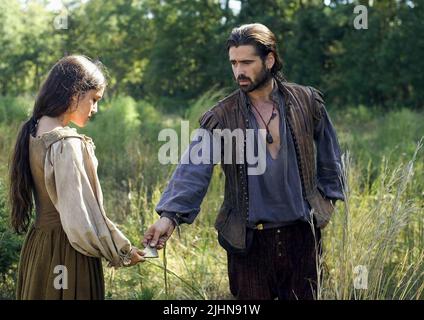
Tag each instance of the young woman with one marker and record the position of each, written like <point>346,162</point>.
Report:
<point>54,169</point>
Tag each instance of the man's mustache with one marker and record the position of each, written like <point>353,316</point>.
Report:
<point>239,78</point>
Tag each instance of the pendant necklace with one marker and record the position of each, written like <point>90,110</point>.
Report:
<point>269,138</point>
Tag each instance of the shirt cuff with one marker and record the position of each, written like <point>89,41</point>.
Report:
<point>172,216</point>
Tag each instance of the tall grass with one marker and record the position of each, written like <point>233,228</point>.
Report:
<point>12,112</point>
<point>370,238</point>
<point>380,229</point>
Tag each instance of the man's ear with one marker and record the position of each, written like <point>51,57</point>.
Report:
<point>270,61</point>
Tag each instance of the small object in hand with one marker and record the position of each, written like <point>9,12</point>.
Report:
<point>150,252</point>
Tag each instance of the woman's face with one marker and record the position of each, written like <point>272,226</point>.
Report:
<point>83,108</point>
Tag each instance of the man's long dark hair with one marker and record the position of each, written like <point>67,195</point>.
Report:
<point>70,77</point>
<point>262,39</point>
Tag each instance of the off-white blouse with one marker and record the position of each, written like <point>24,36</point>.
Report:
<point>72,184</point>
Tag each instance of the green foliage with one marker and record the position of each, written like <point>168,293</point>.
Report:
<point>14,110</point>
<point>114,130</point>
<point>203,104</point>
<point>10,246</point>
<point>375,66</point>
<point>29,45</point>
<point>192,62</point>
<point>371,133</point>
<point>171,52</point>
<point>125,133</point>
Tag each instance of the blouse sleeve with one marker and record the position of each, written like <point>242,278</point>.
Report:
<point>71,179</point>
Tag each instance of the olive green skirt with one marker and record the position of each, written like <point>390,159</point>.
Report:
<point>50,268</point>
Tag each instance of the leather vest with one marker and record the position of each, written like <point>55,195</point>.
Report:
<point>303,108</point>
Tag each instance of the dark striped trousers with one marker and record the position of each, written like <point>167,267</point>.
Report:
<point>281,263</point>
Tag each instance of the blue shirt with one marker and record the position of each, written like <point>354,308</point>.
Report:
<point>276,195</point>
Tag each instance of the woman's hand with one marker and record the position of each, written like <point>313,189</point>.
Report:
<point>136,256</point>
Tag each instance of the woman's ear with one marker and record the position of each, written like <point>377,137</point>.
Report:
<point>74,104</point>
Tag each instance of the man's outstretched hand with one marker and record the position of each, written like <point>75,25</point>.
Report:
<point>159,233</point>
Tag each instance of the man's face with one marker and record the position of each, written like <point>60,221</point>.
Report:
<point>250,72</point>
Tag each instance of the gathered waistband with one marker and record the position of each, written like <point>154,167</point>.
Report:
<point>47,220</point>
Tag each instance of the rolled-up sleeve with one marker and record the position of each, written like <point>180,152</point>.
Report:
<point>72,183</point>
<point>329,166</point>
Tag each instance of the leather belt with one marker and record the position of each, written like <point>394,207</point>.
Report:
<point>269,225</point>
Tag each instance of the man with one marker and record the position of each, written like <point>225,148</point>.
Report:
<point>269,223</point>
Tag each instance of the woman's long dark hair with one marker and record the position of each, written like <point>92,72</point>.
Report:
<point>70,77</point>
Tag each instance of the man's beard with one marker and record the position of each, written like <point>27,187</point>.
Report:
<point>263,79</point>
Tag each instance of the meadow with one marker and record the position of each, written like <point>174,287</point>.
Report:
<point>376,236</point>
